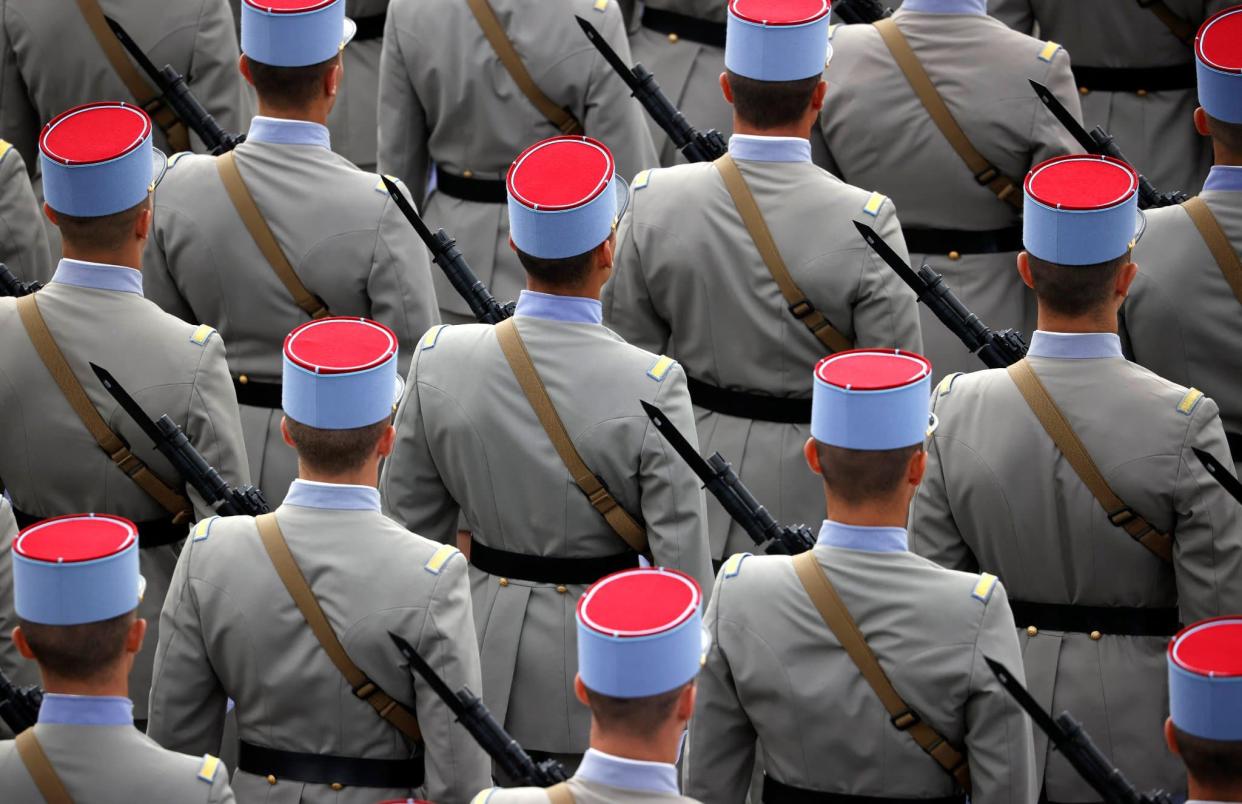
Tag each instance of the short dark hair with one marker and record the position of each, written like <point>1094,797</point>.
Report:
<point>289,87</point>
<point>1074,290</point>
<point>106,232</point>
<point>79,652</point>
<point>636,717</point>
<point>1212,763</point>
<point>861,476</point>
<point>771,104</point>
<point>1227,134</point>
<point>567,272</point>
<point>335,452</point>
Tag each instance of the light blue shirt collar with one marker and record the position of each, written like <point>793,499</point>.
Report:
<point>979,7</point>
<point>279,131</point>
<point>858,537</point>
<point>575,309</point>
<point>338,496</point>
<point>86,710</point>
<point>98,275</point>
<point>1224,178</point>
<point>1074,345</point>
<point>769,149</point>
<point>628,774</point>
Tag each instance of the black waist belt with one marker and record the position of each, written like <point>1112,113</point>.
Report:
<point>371,27</point>
<point>328,769</point>
<point>745,405</point>
<point>1118,620</point>
<point>692,28</point>
<point>257,394</point>
<point>775,792</point>
<point>548,569</point>
<point>482,191</point>
<point>1136,79</point>
<point>1235,445</point>
<point>948,241</point>
<point>152,533</point>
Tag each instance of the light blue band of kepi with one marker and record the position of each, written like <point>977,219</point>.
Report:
<point>294,38</point>
<point>1220,86</point>
<point>886,418</point>
<point>76,592</point>
<point>1201,703</point>
<point>1080,236</point>
<point>776,52</point>
<point>339,400</point>
<point>93,189</point>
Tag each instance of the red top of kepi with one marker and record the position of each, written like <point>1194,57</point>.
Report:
<point>1210,648</point>
<point>639,602</point>
<point>873,369</point>
<point>1082,182</point>
<point>289,6</point>
<point>340,345</point>
<point>560,173</point>
<point>1219,43</point>
<point>94,132</point>
<point>75,538</point>
<point>780,12</point>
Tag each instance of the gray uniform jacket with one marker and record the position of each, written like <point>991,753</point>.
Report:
<point>347,241</point>
<point>469,442</point>
<point>690,282</point>
<point>446,98</point>
<point>50,463</point>
<point>20,671</point>
<point>981,69</point>
<point>233,632</point>
<point>998,496</point>
<point>23,240</point>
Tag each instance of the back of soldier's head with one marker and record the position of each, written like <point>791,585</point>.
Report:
<point>1205,706</point>
<point>1218,66</point>
<point>291,47</point>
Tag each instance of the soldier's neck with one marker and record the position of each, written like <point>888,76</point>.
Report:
<point>114,682</point>
<point>798,130</point>
<point>128,256</point>
<point>587,290</point>
<point>1099,321</point>
<point>878,515</point>
<point>1199,791</point>
<point>1225,157</point>
<point>660,746</point>
<point>316,112</point>
<point>365,475</point>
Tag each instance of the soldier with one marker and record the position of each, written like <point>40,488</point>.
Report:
<point>691,278</point>
<point>240,245</point>
<point>950,219</point>
<point>1181,318</point>
<point>66,446</point>
<point>318,719</point>
<point>1205,705</point>
<point>23,240</point>
<point>640,644</point>
<point>19,672</point>
<point>76,588</point>
<point>553,500</point>
<point>1063,476</point>
<point>447,98</point>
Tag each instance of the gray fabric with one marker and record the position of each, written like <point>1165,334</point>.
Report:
<point>584,792</point>
<point>355,116</point>
<point>23,239</point>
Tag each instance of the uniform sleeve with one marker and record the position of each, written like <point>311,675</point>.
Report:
<point>216,81</point>
<point>214,422</point>
<point>998,734</point>
<point>612,116</point>
<point>403,132</point>
<point>1048,137</point>
<point>628,305</point>
<point>23,240</point>
<point>885,310</point>
<point>19,122</point>
<point>933,532</point>
<point>158,283</point>
<point>400,287</point>
<point>1017,14</point>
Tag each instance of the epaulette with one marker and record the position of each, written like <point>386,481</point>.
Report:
<point>600,5</point>
<point>641,180</point>
<point>439,558</point>
<point>984,587</point>
<point>175,158</point>
<point>1190,401</point>
<point>5,147</point>
<point>946,384</point>
<point>379,185</point>
<point>207,771</point>
<point>659,369</point>
<point>484,796</point>
<point>433,335</point>
<point>872,207</point>
<point>203,529</point>
<point>202,334</point>
<point>733,565</point>
<point>1050,50</point>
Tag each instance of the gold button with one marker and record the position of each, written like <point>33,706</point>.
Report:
<point>466,174</point>
<point>673,38</point>
<point>562,589</point>
<point>955,256</point>
<point>504,581</point>
<point>1031,630</point>
<point>243,379</point>
<point>271,779</point>
<point>1142,93</point>
<point>1083,90</point>
<point>1096,635</point>
<point>337,786</point>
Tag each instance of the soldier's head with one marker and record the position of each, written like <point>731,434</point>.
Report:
<point>76,589</point>
<point>565,199</point>
<point>1218,65</point>
<point>291,54</point>
<point>339,390</point>
<point>1205,707</point>
<point>1081,220</point>
<point>775,52</point>
<point>640,646</point>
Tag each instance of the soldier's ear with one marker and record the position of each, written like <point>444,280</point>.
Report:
<point>580,690</point>
<point>386,442</point>
<point>1024,270</point>
<point>142,224</point>
<point>725,88</point>
<point>23,647</point>
<point>917,467</point>
<point>284,432</point>
<point>1125,278</point>
<point>1201,122</point>
<point>332,79</point>
<point>1170,737</point>
<point>243,67</point>
<point>135,636</point>
<point>685,701</point>
<point>817,97</point>
<point>51,214</point>
<point>812,456</point>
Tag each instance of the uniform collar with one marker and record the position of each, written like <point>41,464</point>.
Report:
<point>858,537</point>
<point>98,275</point>
<point>575,309</point>
<point>769,149</point>
<point>279,131</point>
<point>1074,345</point>
<point>1224,177</point>
<point>338,496</point>
<point>86,710</point>
<point>628,774</point>
<point>979,7</point>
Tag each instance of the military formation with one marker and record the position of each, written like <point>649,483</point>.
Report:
<point>865,427</point>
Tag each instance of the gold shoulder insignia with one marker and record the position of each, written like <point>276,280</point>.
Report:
<point>5,146</point>
<point>872,207</point>
<point>659,369</point>
<point>601,5</point>
<point>733,564</point>
<point>946,384</point>
<point>641,180</point>
<point>484,796</point>
<point>207,771</point>
<point>1050,50</point>
<point>433,335</point>
<point>203,529</point>
<point>379,185</point>
<point>983,588</point>
<point>439,558</point>
<point>1189,402</point>
<point>202,335</point>
<point>175,158</point>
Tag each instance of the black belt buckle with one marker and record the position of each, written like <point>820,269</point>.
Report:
<point>905,720</point>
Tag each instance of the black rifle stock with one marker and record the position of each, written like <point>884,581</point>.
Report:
<point>859,12</point>
<point>10,285</point>
<point>19,706</point>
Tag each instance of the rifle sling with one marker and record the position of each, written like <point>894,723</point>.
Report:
<point>248,211</point>
<point>1217,242</point>
<point>111,443</point>
<point>799,305</point>
<point>1180,28</point>
<point>1067,441</point>
<point>295,583</point>
<point>837,617</point>
<point>560,794</point>
<point>147,96</point>
<point>587,481</point>
<point>41,769</point>
<point>984,171</point>
<point>500,42</point>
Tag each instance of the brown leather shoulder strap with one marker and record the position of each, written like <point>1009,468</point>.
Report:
<point>1183,30</point>
<point>537,395</point>
<point>1067,441</point>
<point>799,305</point>
<point>984,171</point>
<point>1217,242</point>
<point>560,794</point>
<point>40,769</point>
<point>500,42</point>
<point>248,211</point>
<point>295,583</point>
<point>116,449</point>
<point>147,96</point>
<point>837,617</point>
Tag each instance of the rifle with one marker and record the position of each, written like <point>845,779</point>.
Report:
<point>1072,740</point>
<point>473,715</point>
<point>695,145</point>
<point>1101,143</point>
<point>444,253</point>
<point>855,12</point>
<point>1222,475</point>
<point>10,285</point>
<point>189,462</point>
<point>995,349</point>
<point>180,99</point>
<point>719,478</point>
<point>19,706</point>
